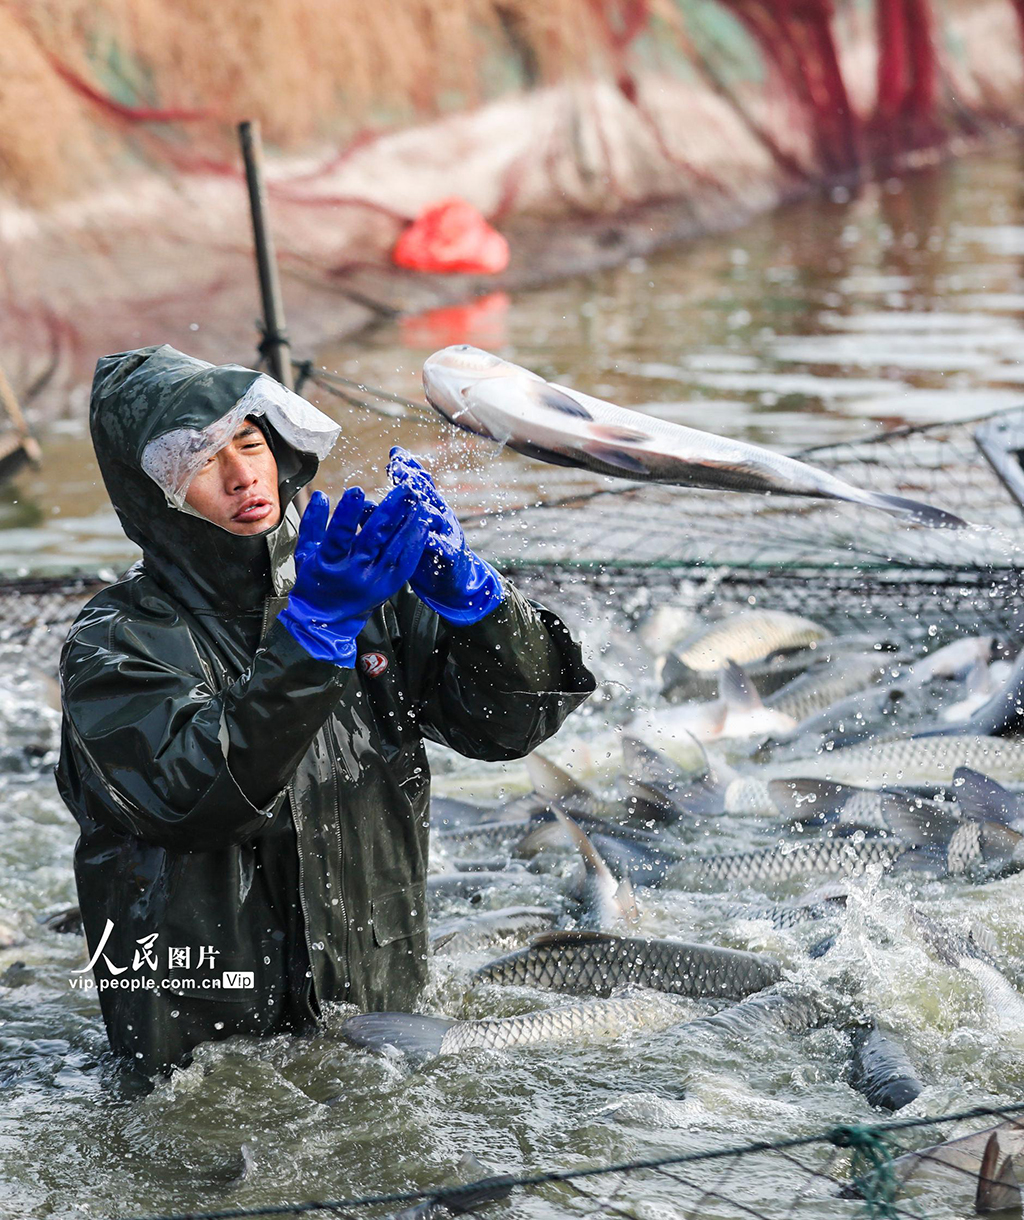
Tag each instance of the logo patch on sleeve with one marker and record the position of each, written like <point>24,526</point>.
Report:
<point>373,663</point>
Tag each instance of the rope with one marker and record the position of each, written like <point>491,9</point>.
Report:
<point>875,1181</point>
<point>871,1168</point>
<point>342,387</point>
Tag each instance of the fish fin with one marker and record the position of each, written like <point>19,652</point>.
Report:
<point>553,782</point>
<point>558,400</point>
<point>823,946</point>
<point>625,900</point>
<point>717,768</point>
<point>703,795</point>
<point>544,834</point>
<point>736,690</point>
<point>577,936</point>
<point>981,797</point>
<point>998,1186</point>
<point>999,843</point>
<point>981,943</point>
<point>506,395</point>
<point>438,942</point>
<point>930,860</point>
<point>407,1032</point>
<point>651,766</point>
<point>592,860</point>
<point>917,822</point>
<point>617,434</point>
<point>919,512</point>
<point>601,451</point>
<point>463,1200</point>
<point>675,676</point>
<point>808,800</point>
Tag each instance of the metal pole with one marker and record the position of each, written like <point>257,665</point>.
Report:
<point>275,344</point>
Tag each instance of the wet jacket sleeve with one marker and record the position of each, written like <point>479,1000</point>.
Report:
<point>497,689</point>
<point>181,765</point>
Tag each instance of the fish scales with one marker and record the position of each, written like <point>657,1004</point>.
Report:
<point>818,689</point>
<point>825,857</point>
<point>783,916</point>
<point>600,1018</point>
<point>764,1013</point>
<point>601,965</point>
<point>911,760</point>
<point>751,796</point>
<point>749,636</point>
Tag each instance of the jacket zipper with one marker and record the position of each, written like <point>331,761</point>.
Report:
<point>294,804</point>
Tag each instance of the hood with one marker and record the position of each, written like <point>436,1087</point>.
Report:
<point>157,400</point>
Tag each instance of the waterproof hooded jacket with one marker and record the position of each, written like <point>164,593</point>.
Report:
<point>254,821</point>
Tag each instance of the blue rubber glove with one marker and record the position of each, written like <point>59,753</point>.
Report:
<point>345,572</point>
<point>460,586</point>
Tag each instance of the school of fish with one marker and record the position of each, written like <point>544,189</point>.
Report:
<point>848,771</point>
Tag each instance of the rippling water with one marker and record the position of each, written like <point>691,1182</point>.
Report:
<point>829,320</point>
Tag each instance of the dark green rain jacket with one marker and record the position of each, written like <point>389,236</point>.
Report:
<point>263,810</point>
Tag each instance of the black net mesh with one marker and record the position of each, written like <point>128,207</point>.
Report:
<point>951,1165</point>
<point>832,561</point>
<point>636,545</point>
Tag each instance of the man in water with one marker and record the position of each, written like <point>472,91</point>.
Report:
<point>242,742</point>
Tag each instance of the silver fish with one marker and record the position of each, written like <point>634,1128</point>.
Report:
<point>749,635</point>
<point>786,915</point>
<point>819,688</point>
<point>955,660</point>
<point>597,964</point>
<point>483,394</point>
<point>484,834</point>
<point>911,760</point>
<point>738,711</point>
<point>554,785</point>
<point>482,927</point>
<point>576,1022</point>
<point>768,1012</point>
<point>828,857</point>
<point>963,952</point>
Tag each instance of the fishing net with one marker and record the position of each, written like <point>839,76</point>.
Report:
<point>841,564</point>
<point>889,1169</point>
<point>635,546</point>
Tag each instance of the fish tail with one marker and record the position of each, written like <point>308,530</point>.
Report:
<point>407,1032</point>
<point>916,510</point>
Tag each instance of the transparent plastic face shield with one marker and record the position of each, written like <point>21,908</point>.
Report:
<point>173,459</point>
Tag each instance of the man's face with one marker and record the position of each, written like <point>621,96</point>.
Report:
<point>237,488</point>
